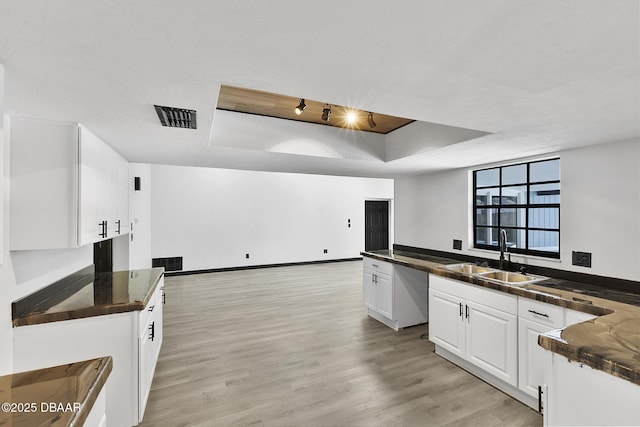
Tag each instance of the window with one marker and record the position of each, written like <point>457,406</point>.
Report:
<point>524,199</point>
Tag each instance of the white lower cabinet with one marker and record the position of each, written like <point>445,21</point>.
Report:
<point>535,318</point>
<point>446,325</point>
<point>149,343</point>
<point>132,339</point>
<point>474,325</point>
<point>577,395</point>
<point>393,294</point>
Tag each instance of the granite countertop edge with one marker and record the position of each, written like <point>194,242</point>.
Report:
<point>595,353</point>
<point>88,379</point>
<point>103,370</point>
<point>35,318</point>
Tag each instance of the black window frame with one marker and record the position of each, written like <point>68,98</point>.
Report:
<point>527,206</point>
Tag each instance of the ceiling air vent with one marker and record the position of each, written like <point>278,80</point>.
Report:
<point>176,117</point>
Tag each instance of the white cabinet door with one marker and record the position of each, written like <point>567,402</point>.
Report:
<point>91,222</point>
<point>104,197</point>
<point>384,295</point>
<point>446,326</point>
<point>149,343</point>
<point>146,368</point>
<point>369,290</point>
<point>492,341</point>
<point>531,356</point>
<point>43,157</point>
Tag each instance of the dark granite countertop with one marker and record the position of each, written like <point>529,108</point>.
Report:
<point>610,342</point>
<point>75,386</point>
<point>85,294</point>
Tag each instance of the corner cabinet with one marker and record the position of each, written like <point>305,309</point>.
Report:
<point>68,187</point>
<point>473,326</point>
<point>393,294</point>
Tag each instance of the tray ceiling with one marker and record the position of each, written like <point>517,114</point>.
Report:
<point>268,104</point>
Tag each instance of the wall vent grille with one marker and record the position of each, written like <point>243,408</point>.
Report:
<point>176,117</point>
<point>169,264</point>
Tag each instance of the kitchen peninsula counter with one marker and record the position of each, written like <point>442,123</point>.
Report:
<point>60,395</point>
<point>86,294</point>
<point>609,342</point>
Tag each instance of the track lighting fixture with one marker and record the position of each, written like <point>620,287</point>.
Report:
<point>372,124</point>
<point>301,106</point>
<point>326,112</point>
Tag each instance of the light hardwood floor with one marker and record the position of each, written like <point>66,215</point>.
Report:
<point>293,346</point>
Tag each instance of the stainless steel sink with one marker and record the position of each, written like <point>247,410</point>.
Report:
<point>504,277</point>
<point>469,268</point>
<point>511,277</point>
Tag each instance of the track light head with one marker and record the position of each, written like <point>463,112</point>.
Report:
<point>300,107</point>
<point>372,123</point>
<point>326,112</point>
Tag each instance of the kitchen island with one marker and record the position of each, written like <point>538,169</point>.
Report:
<point>609,342</point>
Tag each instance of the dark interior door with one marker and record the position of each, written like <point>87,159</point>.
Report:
<point>376,225</point>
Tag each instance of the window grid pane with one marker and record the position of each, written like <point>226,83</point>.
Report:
<point>525,202</point>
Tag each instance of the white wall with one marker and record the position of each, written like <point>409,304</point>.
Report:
<point>213,217</point>
<point>600,210</point>
<point>6,274</point>
<point>140,215</point>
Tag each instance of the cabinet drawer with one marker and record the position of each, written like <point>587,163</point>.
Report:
<point>378,266</point>
<point>491,298</point>
<point>541,312</point>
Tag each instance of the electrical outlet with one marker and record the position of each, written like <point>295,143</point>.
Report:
<point>246,256</point>
<point>326,251</point>
<point>457,244</point>
<point>582,259</point>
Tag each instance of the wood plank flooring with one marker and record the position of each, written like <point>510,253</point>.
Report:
<point>293,346</point>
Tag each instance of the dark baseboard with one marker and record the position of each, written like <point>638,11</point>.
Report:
<point>253,267</point>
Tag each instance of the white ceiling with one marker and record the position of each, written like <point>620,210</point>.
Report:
<point>538,76</point>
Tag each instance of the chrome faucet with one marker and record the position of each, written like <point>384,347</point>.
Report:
<point>503,246</point>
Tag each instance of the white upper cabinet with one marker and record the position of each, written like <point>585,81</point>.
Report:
<point>104,196</point>
<point>64,186</point>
